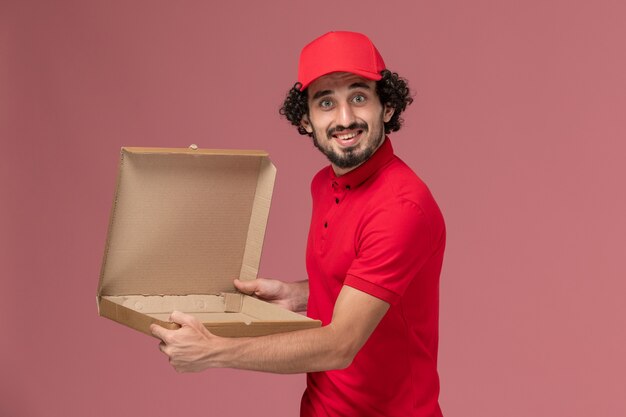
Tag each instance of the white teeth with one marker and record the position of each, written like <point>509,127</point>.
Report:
<point>347,137</point>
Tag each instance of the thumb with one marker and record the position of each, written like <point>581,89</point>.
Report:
<point>246,287</point>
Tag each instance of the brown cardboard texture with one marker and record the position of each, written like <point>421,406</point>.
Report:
<point>184,224</point>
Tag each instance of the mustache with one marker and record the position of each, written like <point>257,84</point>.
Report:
<point>340,128</point>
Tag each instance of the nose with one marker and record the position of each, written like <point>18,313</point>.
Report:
<point>345,116</point>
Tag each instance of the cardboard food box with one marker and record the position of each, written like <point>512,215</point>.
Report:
<point>184,224</point>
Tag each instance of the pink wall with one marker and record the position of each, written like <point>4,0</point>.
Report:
<point>518,127</point>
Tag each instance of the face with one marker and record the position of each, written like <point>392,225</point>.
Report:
<point>346,119</point>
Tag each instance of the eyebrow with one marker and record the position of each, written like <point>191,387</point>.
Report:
<point>352,86</point>
<point>322,93</point>
<point>359,85</point>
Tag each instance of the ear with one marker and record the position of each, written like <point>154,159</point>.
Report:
<point>388,112</point>
<point>306,124</point>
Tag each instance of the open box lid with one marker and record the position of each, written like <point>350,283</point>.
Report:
<point>186,221</point>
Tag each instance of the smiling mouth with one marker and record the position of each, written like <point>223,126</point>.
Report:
<point>348,138</point>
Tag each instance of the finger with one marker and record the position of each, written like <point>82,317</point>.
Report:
<point>246,287</point>
<point>183,319</point>
<point>158,331</point>
<point>163,348</point>
<point>180,368</point>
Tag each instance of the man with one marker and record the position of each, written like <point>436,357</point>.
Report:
<point>374,254</point>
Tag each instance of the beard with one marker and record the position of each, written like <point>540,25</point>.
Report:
<point>350,157</point>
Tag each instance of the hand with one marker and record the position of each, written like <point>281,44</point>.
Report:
<point>290,295</point>
<point>187,348</point>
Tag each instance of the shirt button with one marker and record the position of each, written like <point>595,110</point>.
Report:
<point>325,224</point>
<point>347,187</point>
<point>337,200</point>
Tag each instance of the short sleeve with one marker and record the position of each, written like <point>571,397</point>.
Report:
<point>394,244</point>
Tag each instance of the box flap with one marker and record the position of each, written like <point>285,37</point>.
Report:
<point>186,221</point>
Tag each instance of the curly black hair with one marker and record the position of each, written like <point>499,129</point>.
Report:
<point>392,90</point>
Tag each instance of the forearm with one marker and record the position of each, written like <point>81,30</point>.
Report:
<point>293,296</point>
<point>309,350</point>
<point>299,295</point>
<point>193,348</point>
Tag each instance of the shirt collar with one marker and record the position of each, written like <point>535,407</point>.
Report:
<point>357,176</point>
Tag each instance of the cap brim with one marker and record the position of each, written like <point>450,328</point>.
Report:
<point>361,73</point>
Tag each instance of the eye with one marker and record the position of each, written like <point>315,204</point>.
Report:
<point>359,98</point>
<point>326,103</point>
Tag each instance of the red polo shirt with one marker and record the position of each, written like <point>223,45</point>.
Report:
<point>379,230</point>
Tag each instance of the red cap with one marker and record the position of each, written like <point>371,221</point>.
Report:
<point>339,52</point>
